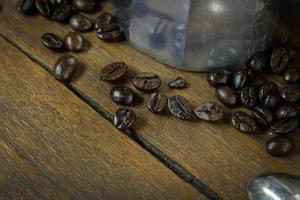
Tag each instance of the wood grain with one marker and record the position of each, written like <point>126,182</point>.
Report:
<point>217,154</point>
<point>54,146</point>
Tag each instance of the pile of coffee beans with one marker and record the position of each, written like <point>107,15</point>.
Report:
<point>273,110</point>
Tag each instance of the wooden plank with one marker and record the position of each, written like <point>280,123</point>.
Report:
<point>54,146</point>
<point>216,154</point>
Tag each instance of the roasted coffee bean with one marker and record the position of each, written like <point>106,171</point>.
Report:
<point>209,112</point>
<point>243,122</point>
<point>180,107</point>
<point>63,1</point>
<point>280,146</point>
<point>113,72</point>
<point>284,126</point>
<point>254,79</point>
<point>280,60</point>
<point>239,79</point>
<point>111,36</point>
<point>272,101</point>
<point>259,62</point>
<point>25,6</point>
<point>227,96</point>
<point>219,78</point>
<point>52,41</point>
<point>62,12</point>
<point>122,95</point>
<point>286,111</point>
<point>65,68</point>
<point>85,5</point>
<point>178,83</point>
<point>124,118</point>
<point>291,94</point>
<point>81,23</point>
<point>262,115</point>
<point>249,97</point>
<point>292,75</point>
<point>147,81</point>
<point>157,102</point>
<point>74,41</point>
<point>267,89</point>
<point>106,22</point>
<point>44,7</point>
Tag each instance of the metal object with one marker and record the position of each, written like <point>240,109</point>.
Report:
<point>274,186</point>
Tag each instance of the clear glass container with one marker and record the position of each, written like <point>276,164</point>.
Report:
<point>204,35</point>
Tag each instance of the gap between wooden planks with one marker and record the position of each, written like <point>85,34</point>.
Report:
<point>216,154</point>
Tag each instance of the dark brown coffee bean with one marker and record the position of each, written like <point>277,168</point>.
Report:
<point>85,5</point>
<point>249,97</point>
<point>272,101</point>
<point>63,2</point>
<point>280,146</point>
<point>227,96</point>
<point>262,115</point>
<point>239,79</point>
<point>81,23</point>
<point>157,102</point>
<point>219,78</point>
<point>292,76</point>
<point>65,68</point>
<point>147,81</point>
<point>52,41</point>
<point>111,36</point>
<point>286,111</point>
<point>209,112</point>
<point>284,126</point>
<point>74,41</point>
<point>62,12</point>
<point>291,94</point>
<point>267,89</point>
<point>243,122</point>
<point>259,63</point>
<point>254,79</point>
<point>178,83</point>
<point>25,6</point>
<point>122,95</point>
<point>180,107</point>
<point>124,118</point>
<point>106,22</point>
<point>44,7</point>
<point>113,72</point>
<point>280,60</point>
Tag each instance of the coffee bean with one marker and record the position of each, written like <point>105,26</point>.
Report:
<point>124,118</point>
<point>122,95</point>
<point>262,115</point>
<point>279,60</point>
<point>272,101</point>
<point>292,76</point>
<point>81,23</point>
<point>147,81</point>
<point>85,5</point>
<point>227,96</point>
<point>113,72</point>
<point>249,97</point>
<point>268,94</point>
<point>219,78</point>
<point>180,107</point>
<point>286,111</point>
<point>157,102</point>
<point>62,12</point>
<point>284,126</point>
<point>291,94</point>
<point>52,41</point>
<point>243,122</point>
<point>280,146</point>
<point>25,6</point>
<point>74,41</point>
<point>259,62</point>
<point>44,7</point>
<point>178,83</point>
<point>65,67</point>
<point>105,22</point>
<point>239,79</point>
<point>63,1</point>
<point>209,112</point>
<point>254,79</point>
<point>111,36</point>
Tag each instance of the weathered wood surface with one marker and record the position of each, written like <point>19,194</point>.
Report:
<point>217,154</point>
<point>54,146</point>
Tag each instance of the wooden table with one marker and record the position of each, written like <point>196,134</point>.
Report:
<point>57,141</point>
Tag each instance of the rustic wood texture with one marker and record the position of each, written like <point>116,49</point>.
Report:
<point>54,146</point>
<point>217,154</point>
